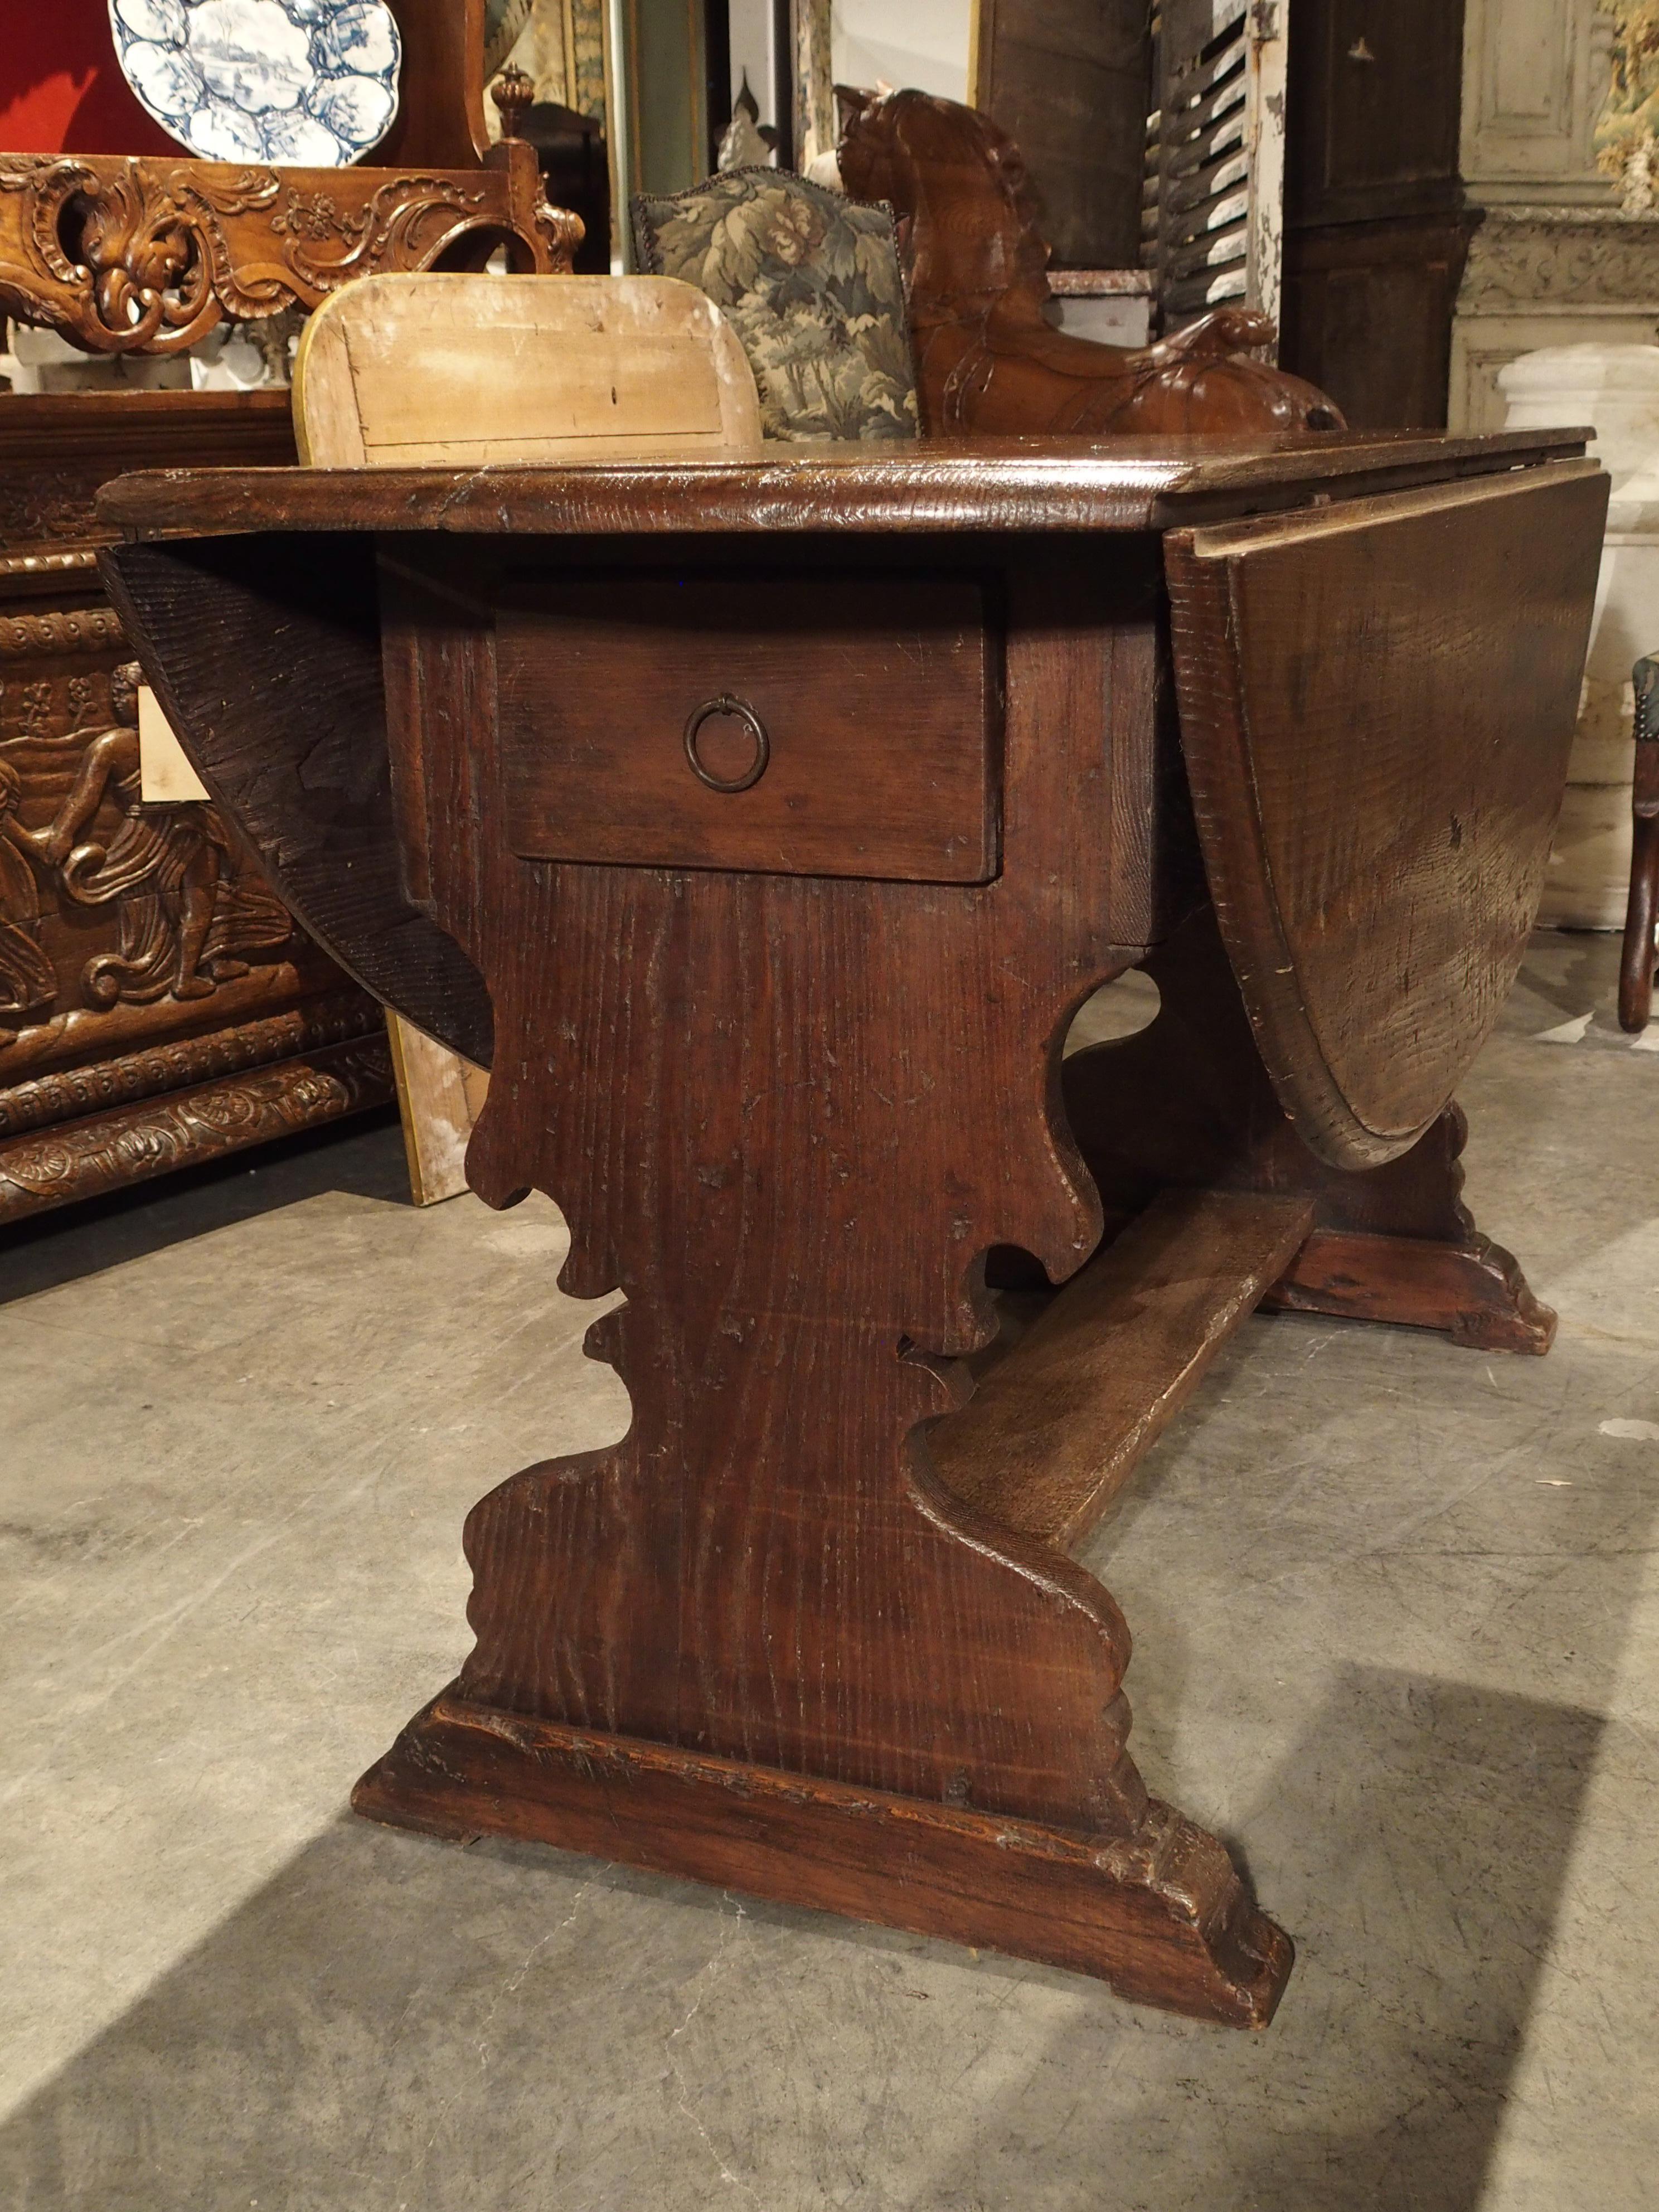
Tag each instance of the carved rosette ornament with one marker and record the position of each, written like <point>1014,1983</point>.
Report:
<point>123,255</point>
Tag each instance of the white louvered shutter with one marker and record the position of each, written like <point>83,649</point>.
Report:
<point>1214,217</point>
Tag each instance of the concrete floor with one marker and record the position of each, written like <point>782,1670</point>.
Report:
<point>1396,1612</point>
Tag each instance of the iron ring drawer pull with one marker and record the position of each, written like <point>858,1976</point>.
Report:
<point>726,704</point>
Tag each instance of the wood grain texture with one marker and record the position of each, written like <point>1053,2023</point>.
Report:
<point>287,728</point>
<point>1473,1290</point>
<point>878,696</point>
<point>1057,1427</point>
<point>992,484</point>
<point>764,1569</point>
<point>1376,891</point>
<point>1162,1917</point>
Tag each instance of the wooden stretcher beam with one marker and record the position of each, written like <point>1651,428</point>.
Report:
<point>1056,1428</point>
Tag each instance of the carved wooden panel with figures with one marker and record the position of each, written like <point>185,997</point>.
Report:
<point>157,1005</point>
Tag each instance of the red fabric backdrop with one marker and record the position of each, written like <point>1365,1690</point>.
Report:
<point>61,89</point>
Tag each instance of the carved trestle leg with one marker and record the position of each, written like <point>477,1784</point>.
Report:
<point>1187,1101</point>
<point>757,1641</point>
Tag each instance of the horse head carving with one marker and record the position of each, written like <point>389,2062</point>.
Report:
<point>987,358</point>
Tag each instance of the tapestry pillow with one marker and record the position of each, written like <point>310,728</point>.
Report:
<point>811,282</point>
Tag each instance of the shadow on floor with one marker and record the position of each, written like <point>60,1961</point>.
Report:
<point>364,1156</point>
<point>1416,1845</point>
<point>361,2033</point>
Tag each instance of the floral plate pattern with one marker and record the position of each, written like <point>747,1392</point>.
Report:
<point>313,83</point>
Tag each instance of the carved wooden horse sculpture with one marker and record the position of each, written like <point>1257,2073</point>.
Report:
<point>987,360</point>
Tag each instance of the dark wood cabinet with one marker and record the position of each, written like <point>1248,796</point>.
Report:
<point>1069,81</point>
<point>1367,315</point>
<point>1375,108</point>
<point>1376,227</point>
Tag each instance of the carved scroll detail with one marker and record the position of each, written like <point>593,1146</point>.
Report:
<point>378,235</point>
<point>561,233</point>
<point>125,255</point>
<point>334,1019</point>
<point>82,1160</point>
<point>1532,257</point>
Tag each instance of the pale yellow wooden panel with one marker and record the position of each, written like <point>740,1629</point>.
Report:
<point>402,370</point>
<point>166,777</point>
<point>522,392</point>
<point>440,1096</point>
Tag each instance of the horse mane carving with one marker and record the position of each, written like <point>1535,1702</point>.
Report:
<point>986,359</point>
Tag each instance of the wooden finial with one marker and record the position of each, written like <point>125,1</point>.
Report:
<point>512,92</point>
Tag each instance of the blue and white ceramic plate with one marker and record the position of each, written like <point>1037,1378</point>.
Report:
<point>311,83</point>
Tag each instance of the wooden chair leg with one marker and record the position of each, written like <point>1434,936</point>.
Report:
<point>1636,965</point>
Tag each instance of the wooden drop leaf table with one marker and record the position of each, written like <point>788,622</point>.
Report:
<point>763,821</point>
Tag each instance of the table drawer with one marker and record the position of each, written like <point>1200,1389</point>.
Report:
<point>779,725</point>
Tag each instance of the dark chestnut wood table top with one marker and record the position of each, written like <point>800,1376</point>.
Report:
<point>982,483</point>
<point>763,821</point>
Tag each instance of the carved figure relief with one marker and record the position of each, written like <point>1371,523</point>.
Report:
<point>28,984</point>
<point>157,1007</point>
<point>977,269</point>
<point>183,916</point>
<point>184,922</point>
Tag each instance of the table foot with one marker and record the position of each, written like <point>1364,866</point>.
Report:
<point>1474,1291</point>
<point>1160,1914</point>
<point>1187,1101</point>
